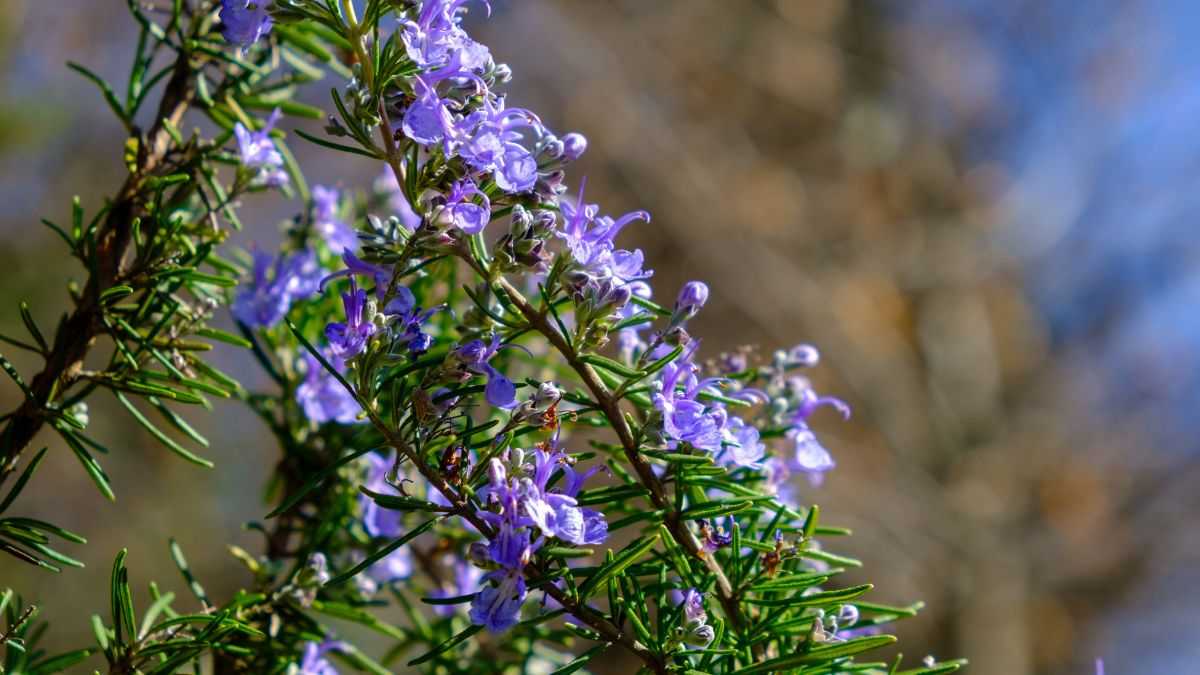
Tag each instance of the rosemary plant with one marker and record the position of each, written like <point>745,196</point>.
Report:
<point>489,428</point>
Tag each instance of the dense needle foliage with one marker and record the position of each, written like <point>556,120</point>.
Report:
<point>492,428</point>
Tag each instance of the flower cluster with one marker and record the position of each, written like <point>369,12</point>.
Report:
<point>525,512</point>
<point>792,401</point>
<point>276,282</point>
<point>695,412</point>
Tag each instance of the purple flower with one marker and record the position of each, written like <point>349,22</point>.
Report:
<point>516,171</point>
<point>574,145</point>
<point>426,121</point>
<point>810,456</point>
<point>500,391</point>
<point>810,402</point>
<point>686,420</point>
<point>487,135</point>
<point>436,38</point>
<point>378,521</point>
<point>590,236</point>
<point>408,320</point>
<point>804,355</point>
<point>313,661</point>
<point>1099,666</point>
<point>694,631</point>
<point>243,22</point>
<point>491,140</point>
<point>556,514</point>
<point>257,151</point>
<point>510,547</point>
<point>692,422</point>
<point>742,444</point>
<point>523,501</point>
<point>338,235</point>
<point>691,298</point>
<point>843,624</point>
<point>348,339</point>
<point>323,398</point>
<point>713,537</point>
<point>382,276</point>
<point>275,284</point>
<point>462,212</point>
<point>498,606</point>
<point>693,608</point>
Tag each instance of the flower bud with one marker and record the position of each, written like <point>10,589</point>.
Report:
<point>551,149</point>
<point>552,184</point>
<point>544,223</point>
<point>403,302</point>
<point>691,298</point>
<point>546,395</point>
<point>701,636</point>
<point>528,248</point>
<point>576,279</point>
<point>574,145</point>
<point>80,412</point>
<point>522,221</point>
<point>804,355</point>
<point>477,553</point>
<point>496,472</point>
<point>617,297</point>
<point>847,615</point>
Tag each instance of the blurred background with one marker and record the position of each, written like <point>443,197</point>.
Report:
<point>981,212</point>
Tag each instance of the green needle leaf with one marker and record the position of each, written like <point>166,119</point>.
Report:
<point>446,646</point>
<point>820,654</point>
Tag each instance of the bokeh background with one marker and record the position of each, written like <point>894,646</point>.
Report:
<point>983,213</point>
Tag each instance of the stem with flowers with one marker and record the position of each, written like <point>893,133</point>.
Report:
<point>440,348</point>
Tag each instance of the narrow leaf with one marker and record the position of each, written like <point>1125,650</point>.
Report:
<point>89,463</point>
<point>446,646</point>
<point>22,480</point>
<point>624,559</point>
<point>382,553</point>
<point>162,436</point>
<point>820,654</point>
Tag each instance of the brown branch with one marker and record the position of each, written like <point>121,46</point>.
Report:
<point>726,594</point>
<point>78,332</point>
